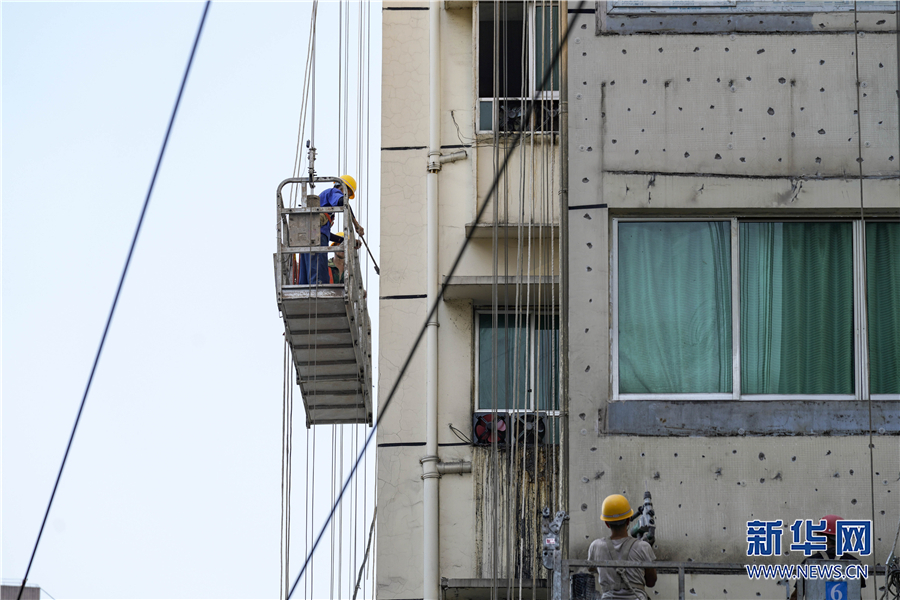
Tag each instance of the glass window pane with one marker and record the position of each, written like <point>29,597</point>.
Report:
<point>796,308</point>
<point>485,115</point>
<point>674,307</point>
<point>512,74</point>
<point>883,295</point>
<point>511,366</point>
<point>546,41</point>
<point>547,362</point>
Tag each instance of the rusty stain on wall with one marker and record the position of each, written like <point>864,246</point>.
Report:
<point>526,480</point>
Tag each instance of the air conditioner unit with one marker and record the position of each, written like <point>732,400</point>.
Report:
<point>486,430</point>
<point>527,428</point>
<point>523,429</point>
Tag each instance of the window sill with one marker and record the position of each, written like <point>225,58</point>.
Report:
<point>788,417</point>
<point>483,138</point>
<point>743,398</point>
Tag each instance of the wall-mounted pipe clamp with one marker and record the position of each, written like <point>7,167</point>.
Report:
<point>436,159</point>
<point>454,468</point>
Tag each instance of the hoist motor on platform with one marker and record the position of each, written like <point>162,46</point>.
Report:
<point>326,325</point>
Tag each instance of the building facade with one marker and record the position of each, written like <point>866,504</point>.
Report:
<point>685,280</point>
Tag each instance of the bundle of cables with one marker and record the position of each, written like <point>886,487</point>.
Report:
<point>892,572</point>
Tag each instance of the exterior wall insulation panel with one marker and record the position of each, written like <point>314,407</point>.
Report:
<point>694,194</point>
<point>618,23</point>
<point>700,120</point>
<point>745,105</point>
<point>706,489</point>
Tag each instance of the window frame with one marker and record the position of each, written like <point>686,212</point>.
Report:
<point>657,7</point>
<point>533,77</point>
<point>860,338</point>
<point>533,317</point>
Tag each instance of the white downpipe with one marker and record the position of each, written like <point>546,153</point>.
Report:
<point>430,475</point>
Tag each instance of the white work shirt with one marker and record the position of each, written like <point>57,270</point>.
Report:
<point>640,552</point>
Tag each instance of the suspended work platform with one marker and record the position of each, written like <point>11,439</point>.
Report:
<point>327,325</point>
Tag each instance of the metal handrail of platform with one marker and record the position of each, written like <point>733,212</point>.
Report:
<point>583,566</point>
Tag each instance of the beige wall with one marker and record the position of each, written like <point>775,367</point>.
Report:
<point>463,187</point>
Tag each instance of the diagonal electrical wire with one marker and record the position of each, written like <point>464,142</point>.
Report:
<point>478,217</point>
<point>112,309</point>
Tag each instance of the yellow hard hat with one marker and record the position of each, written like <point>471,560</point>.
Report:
<point>339,234</point>
<point>351,184</point>
<point>615,508</point>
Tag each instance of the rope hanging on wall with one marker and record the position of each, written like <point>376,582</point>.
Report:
<point>524,306</point>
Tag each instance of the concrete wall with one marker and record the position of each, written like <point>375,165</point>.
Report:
<point>722,116</point>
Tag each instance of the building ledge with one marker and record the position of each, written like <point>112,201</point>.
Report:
<point>511,231</point>
<point>480,589</point>
<point>532,290</point>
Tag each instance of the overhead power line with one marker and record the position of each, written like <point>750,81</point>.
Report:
<point>112,309</point>
<point>493,189</point>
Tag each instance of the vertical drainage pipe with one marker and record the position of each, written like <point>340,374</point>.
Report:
<point>430,475</point>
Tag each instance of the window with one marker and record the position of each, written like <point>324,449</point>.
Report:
<point>526,36</point>
<point>731,309</point>
<point>526,365</point>
<point>883,295</point>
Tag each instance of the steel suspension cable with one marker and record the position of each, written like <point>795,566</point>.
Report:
<point>340,119</point>
<point>305,513</point>
<point>333,492</point>
<point>418,340</point>
<point>289,465</point>
<point>346,99</point>
<point>115,302</point>
<point>284,574</point>
<point>308,73</point>
<point>494,466</point>
<point>340,536</point>
<point>864,295</point>
<point>312,515</point>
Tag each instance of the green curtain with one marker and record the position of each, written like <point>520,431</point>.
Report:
<point>674,307</point>
<point>511,366</point>
<point>547,362</point>
<point>796,308</point>
<point>883,293</point>
<point>546,41</point>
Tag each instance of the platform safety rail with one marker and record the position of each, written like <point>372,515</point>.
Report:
<point>327,325</point>
<point>572,568</point>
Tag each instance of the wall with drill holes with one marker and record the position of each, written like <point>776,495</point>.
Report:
<point>723,115</point>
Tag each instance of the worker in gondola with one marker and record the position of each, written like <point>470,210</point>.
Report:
<point>617,582</point>
<point>314,266</point>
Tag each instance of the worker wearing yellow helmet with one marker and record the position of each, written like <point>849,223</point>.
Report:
<point>621,583</point>
<point>314,267</point>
